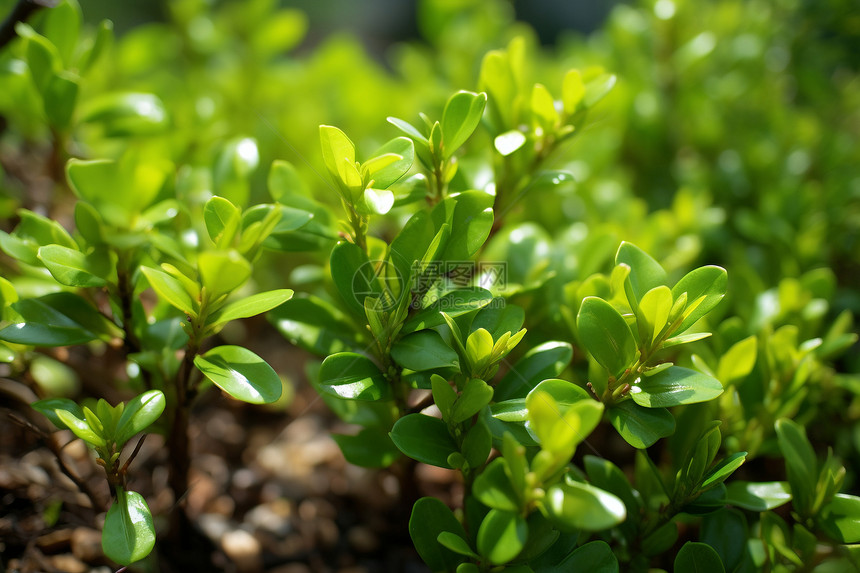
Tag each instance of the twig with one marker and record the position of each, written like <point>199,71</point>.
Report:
<point>124,468</point>
<point>58,453</point>
<point>19,13</point>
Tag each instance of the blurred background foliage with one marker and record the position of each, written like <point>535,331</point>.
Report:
<point>732,137</point>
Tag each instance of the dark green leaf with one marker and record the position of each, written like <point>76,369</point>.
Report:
<point>355,277</point>
<point>250,306</point>
<point>58,319</point>
<point>456,544</point>
<point>430,517</point>
<point>759,497</point>
<point>455,303</point>
<point>840,518</point>
<point>546,360</point>
<point>724,469</point>
<point>645,272</point>
<point>641,427</point>
<point>48,407</point>
<point>370,448</point>
<point>698,558</point>
<point>313,324</point>
<point>494,489</point>
<point>73,268</point>
<point>800,463</point>
<point>501,536</point>
<point>424,350</point>
<point>576,505</point>
<point>425,439</point>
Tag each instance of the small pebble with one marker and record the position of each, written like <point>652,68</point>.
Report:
<point>243,549</point>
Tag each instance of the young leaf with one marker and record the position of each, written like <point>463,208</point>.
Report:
<point>709,282</point>
<point>494,489</point>
<point>80,427</point>
<point>222,220</point>
<point>724,469</point>
<point>352,376</point>
<point>339,155</point>
<point>139,413</point>
<point>73,268</point>
<point>460,118</point>
<point>840,518</point>
<point>456,544</point>
<point>241,374</point>
<point>606,335</point>
<point>476,394</point>
<point>222,272</point>
<point>425,439</point>
<point>674,386</point>
<point>387,174</point>
<point>171,290</point>
<point>128,534</point>
<point>250,306</point>
<point>49,406</point>
<point>654,308</point>
<point>501,536</point>
<point>645,272</point>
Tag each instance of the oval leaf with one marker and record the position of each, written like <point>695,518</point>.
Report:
<point>606,335</point>
<point>674,386</point>
<point>425,439</point>
<point>501,536</point>
<point>241,374</point>
<point>138,414</point>
<point>128,534</point>
<point>352,376</point>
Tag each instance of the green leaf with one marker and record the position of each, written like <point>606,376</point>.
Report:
<point>762,496</point>
<point>456,544</point>
<point>352,376</point>
<point>128,534</point>
<point>501,536</point>
<point>49,406</point>
<point>645,272</point>
<point>241,374</point>
<point>390,172</point>
<point>576,505</point>
<point>455,303</point>
<point>572,91</point>
<point>60,96</point>
<point>58,319</point>
<point>73,268</point>
<point>313,324</point>
<point>375,202</point>
<point>408,129</point>
<point>560,428</point>
<point>461,116</point>
<point>429,518</point>
<point>222,220</point>
<point>641,427</point>
<point>494,489</point>
<point>654,308</point>
<point>607,476</point>
<point>471,222</point>
<point>738,361</point>
<point>139,413</point>
<point>476,394</point>
<point>710,282</point>
<point>355,277</point>
<point>606,335</point>
<point>43,59</point>
<point>424,350</point>
<point>563,392</point>
<point>171,290</point>
<point>222,272</point>
<point>425,439</point>
<point>125,114</point>
<point>546,360</point>
<point>698,558</point>
<point>339,156</point>
<point>510,141</point>
<point>801,465</point>
<point>250,306</point>
<point>840,518</point>
<point>724,469</point>
<point>80,427</point>
<point>594,557</point>
<point>673,386</point>
<point>370,448</point>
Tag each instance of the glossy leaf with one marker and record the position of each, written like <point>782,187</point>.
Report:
<point>425,439</point>
<point>645,272</point>
<point>577,505</point>
<point>403,151</point>
<point>222,272</point>
<point>606,335</point>
<point>370,448</point>
<point>250,306</point>
<point>674,386</point>
<point>710,282</point>
<point>171,290</point>
<point>475,395</point>
<point>81,427</point>
<point>461,116</point>
<point>724,469</point>
<point>544,361</point>
<point>58,319</point>
<point>456,544</point>
<point>313,324</point>
<point>762,496</point>
<point>241,374</point>
<point>641,427</point>
<point>128,534</point>
<point>139,413</point>
<point>49,406</point>
<point>73,268</point>
<point>840,518</point>
<point>494,489</point>
<point>455,303</point>
<point>352,376</point>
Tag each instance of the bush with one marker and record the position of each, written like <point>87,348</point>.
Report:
<point>541,257</point>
